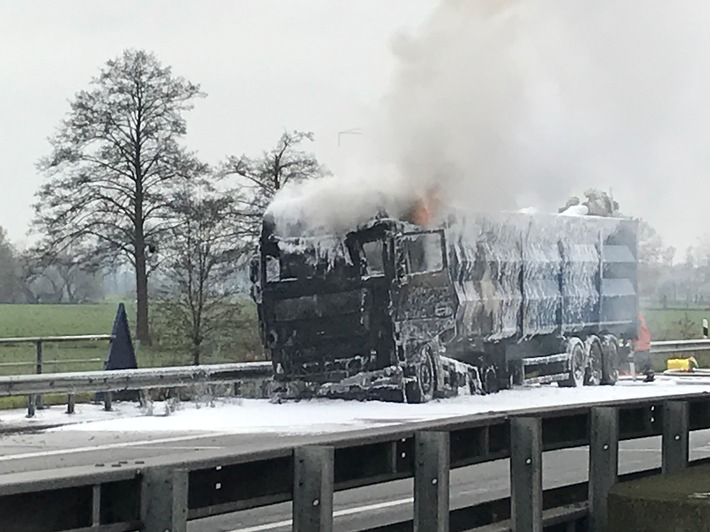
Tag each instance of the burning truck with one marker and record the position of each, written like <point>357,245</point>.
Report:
<point>399,310</point>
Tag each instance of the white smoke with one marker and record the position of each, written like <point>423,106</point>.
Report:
<point>505,104</point>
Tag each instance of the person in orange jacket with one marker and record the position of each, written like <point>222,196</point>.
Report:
<point>642,350</point>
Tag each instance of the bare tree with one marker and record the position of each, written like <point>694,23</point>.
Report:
<point>259,179</point>
<point>653,258</point>
<point>8,270</point>
<point>66,277</point>
<point>114,163</point>
<point>199,271</point>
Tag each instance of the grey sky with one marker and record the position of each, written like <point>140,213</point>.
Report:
<point>621,93</point>
<point>266,65</point>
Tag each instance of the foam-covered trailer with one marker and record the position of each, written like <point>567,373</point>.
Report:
<point>396,311</point>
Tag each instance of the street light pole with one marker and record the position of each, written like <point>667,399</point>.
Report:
<point>352,131</point>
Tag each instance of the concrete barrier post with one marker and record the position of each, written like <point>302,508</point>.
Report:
<point>675,436</point>
<point>314,468</point>
<point>526,474</point>
<point>431,481</point>
<point>164,499</point>
<point>603,463</point>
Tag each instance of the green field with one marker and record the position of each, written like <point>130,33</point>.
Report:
<point>19,321</point>
<point>62,320</point>
<point>675,324</point>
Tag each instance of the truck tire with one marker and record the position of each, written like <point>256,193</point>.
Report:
<point>578,363</point>
<point>610,359</point>
<point>595,361</point>
<point>421,388</point>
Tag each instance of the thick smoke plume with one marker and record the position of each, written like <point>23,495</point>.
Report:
<point>507,104</point>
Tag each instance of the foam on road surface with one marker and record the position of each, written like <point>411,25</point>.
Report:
<point>327,415</point>
<point>16,419</point>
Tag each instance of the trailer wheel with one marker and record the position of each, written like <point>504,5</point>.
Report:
<point>610,359</point>
<point>421,389</point>
<point>595,361</point>
<point>578,363</point>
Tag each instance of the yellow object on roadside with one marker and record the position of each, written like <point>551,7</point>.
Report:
<point>682,364</point>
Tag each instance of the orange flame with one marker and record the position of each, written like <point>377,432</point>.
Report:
<point>425,209</point>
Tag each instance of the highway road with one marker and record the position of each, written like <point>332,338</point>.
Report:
<point>354,509</point>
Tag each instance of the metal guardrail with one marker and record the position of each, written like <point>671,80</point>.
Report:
<point>164,494</point>
<point>137,379</point>
<point>131,379</point>
<point>39,342</point>
<point>41,339</point>
<point>680,346</point>
<point>108,381</point>
<point>39,361</point>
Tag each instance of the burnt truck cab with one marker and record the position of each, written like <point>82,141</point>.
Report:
<point>354,315</point>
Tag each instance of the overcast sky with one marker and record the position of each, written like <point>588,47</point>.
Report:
<point>326,65</point>
<point>266,65</point>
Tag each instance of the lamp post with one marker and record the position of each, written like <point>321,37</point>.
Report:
<point>352,131</point>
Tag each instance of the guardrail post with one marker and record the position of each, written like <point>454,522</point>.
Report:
<point>431,481</point>
<point>675,436</point>
<point>108,401</point>
<point>38,370</point>
<point>31,405</point>
<point>314,467</point>
<point>526,474</point>
<point>164,499</point>
<point>603,463</point>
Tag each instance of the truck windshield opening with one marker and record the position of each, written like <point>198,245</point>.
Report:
<point>424,253</point>
<point>300,259</point>
<point>373,252</point>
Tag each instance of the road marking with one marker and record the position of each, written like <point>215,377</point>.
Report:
<point>141,443</point>
<point>339,513</point>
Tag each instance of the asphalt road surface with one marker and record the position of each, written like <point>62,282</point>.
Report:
<point>354,509</point>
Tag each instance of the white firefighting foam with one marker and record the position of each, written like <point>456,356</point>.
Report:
<point>328,415</point>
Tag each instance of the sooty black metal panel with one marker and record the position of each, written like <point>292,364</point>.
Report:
<point>47,511</point>
<point>247,485</point>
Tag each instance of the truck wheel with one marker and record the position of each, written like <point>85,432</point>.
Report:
<point>421,388</point>
<point>595,360</point>
<point>610,359</point>
<point>578,363</point>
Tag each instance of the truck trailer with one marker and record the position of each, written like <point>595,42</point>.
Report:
<point>396,311</point>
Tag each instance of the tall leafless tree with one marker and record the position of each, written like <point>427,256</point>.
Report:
<point>114,164</point>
